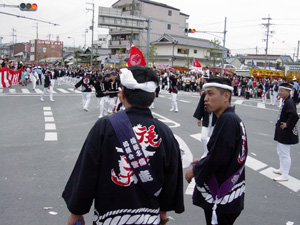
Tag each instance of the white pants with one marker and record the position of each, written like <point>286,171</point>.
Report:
<point>285,161</point>
<point>264,99</point>
<point>205,135</point>
<point>174,101</point>
<point>52,83</point>
<point>50,92</point>
<point>59,81</point>
<point>86,98</point>
<point>274,97</point>
<point>33,83</point>
<point>112,103</point>
<point>101,102</point>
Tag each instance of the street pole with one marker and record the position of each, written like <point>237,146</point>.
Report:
<point>148,40</point>
<point>298,51</point>
<point>92,47</point>
<point>267,41</point>
<point>222,70</point>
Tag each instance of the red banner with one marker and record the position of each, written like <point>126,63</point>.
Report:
<point>9,77</point>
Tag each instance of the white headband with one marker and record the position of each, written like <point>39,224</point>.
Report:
<point>129,82</point>
<point>285,88</point>
<point>218,85</point>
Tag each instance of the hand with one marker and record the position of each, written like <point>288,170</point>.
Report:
<point>189,175</point>
<point>74,218</point>
<point>199,123</point>
<point>74,88</point>
<point>283,125</point>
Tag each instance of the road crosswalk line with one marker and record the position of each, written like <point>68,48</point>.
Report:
<point>12,90</point>
<point>39,91</point>
<point>25,91</point>
<point>62,90</point>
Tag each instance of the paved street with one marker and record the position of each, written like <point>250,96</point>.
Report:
<point>40,142</point>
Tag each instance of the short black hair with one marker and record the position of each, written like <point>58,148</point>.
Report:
<point>139,97</point>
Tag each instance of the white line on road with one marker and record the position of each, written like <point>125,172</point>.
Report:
<point>255,164</point>
<point>50,126</point>
<point>292,183</point>
<point>25,91</point>
<point>72,89</point>
<point>185,101</point>
<point>261,105</point>
<point>12,91</point>
<point>39,91</point>
<point>238,102</point>
<point>49,119</point>
<point>50,136</point>
<point>62,90</point>
<point>166,120</point>
<point>48,113</point>
<point>47,108</point>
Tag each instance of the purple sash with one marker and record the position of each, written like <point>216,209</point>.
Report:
<point>134,153</point>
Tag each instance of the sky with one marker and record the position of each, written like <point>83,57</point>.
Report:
<point>245,32</point>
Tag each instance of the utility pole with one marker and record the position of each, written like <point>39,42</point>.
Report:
<point>92,47</point>
<point>222,70</point>
<point>13,35</point>
<point>267,25</point>
<point>297,58</point>
<point>86,31</point>
<point>132,13</point>
<point>1,46</point>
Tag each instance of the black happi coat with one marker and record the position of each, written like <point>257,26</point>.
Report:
<point>226,149</point>
<point>102,174</point>
<point>47,81</point>
<point>173,84</point>
<point>288,115</point>
<point>113,87</point>
<point>86,84</point>
<point>202,114</point>
<point>100,88</point>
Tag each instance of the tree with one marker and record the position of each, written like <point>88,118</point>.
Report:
<point>214,53</point>
<point>152,54</point>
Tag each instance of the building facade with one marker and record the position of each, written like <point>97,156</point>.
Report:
<point>179,51</point>
<point>44,50</point>
<point>164,19</point>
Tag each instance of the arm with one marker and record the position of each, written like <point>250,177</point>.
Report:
<point>73,219</point>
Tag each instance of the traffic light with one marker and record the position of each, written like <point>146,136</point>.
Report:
<point>28,7</point>
<point>186,30</point>
<point>228,54</point>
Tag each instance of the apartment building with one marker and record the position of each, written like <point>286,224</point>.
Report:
<point>164,19</point>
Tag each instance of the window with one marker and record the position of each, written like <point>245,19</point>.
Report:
<point>170,12</point>
<point>169,26</point>
<point>182,51</point>
<point>195,51</point>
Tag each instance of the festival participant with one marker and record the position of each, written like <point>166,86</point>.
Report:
<point>47,87</point>
<point>205,119</point>
<point>100,88</point>
<point>113,85</point>
<point>86,86</point>
<point>286,133</point>
<point>130,164</point>
<point>220,176</point>
<point>173,89</point>
<point>265,91</point>
<point>34,77</point>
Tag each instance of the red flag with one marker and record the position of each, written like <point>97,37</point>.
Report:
<point>136,57</point>
<point>196,63</point>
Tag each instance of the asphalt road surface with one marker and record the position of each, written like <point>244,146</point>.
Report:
<point>40,142</point>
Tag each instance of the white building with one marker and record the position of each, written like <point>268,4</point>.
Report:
<point>174,50</point>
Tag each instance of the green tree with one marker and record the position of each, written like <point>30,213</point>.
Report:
<point>214,53</point>
<point>152,54</point>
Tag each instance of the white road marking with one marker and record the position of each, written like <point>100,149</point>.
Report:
<point>255,164</point>
<point>39,91</point>
<point>46,108</point>
<point>25,91</point>
<point>12,90</point>
<point>238,102</point>
<point>50,136</point>
<point>62,90</point>
<point>49,119</point>
<point>196,136</point>
<point>166,120</point>
<point>50,126</point>
<point>48,113</point>
<point>1,90</point>
<point>292,183</point>
<point>261,105</point>
<point>185,101</point>
<point>72,90</point>
<point>186,154</point>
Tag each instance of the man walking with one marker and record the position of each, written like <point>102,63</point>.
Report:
<point>47,87</point>
<point>130,163</point>
<point>220,176</point>
<point>286,133</point>
<point>86,85</point>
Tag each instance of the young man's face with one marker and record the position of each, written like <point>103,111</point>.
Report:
<point>216,101</point>
<point>283,93</point>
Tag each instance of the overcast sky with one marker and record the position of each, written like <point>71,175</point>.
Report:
<point>245,33</point>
